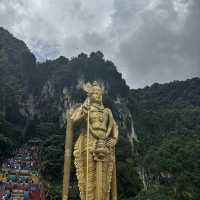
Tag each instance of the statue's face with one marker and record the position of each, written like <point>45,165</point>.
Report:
<point>96,97</point>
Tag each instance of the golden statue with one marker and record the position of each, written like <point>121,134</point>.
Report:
<point>94,150</point>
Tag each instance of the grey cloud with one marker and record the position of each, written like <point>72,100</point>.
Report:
<point>149,40</point>
<point>164,47</point>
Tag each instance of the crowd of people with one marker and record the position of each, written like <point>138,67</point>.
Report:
<point>20,175</point>
<point>24,159</point>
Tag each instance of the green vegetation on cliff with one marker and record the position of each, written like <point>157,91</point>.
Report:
<point>167,120</point>
<point>164,164</point>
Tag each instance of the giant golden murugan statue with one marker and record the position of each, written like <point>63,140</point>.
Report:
<point>94,150</point>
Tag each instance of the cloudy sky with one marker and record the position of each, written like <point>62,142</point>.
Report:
<point>148,40</point>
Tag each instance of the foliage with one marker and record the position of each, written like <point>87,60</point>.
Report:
<point>175,164</point>
<point>167,120</point>
<point>153,194</point>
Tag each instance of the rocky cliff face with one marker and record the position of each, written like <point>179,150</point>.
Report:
<point>34,99</point>
<point>17,76</point>
<point>43,92</point>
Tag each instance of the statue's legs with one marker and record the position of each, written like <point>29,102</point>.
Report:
<point>80,155</point>
<point>107,171</point>
<point>99,180</point>
<point>90,186</point>
<point>105,168</point>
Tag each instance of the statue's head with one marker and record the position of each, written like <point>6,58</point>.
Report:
<point>94,92</point>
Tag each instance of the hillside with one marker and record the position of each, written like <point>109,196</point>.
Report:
<point>164,164</point>
<point>17,70</point>
<point>167,120</point>
<point>36,96</point>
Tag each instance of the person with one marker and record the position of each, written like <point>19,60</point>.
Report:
<point>26,195</point>
<point>94,148</point>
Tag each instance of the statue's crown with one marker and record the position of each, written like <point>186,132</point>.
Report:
<point>92,87</point>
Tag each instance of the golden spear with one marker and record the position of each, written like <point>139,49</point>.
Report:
<point>67,158</point>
